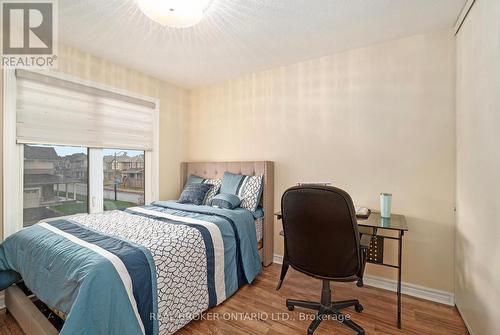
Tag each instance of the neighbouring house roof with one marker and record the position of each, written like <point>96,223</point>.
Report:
<point>76,157</point>
<point>44,153</point>
<point>40,179</point>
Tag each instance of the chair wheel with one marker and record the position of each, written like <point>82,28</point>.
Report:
<point>358,308</point>
<point>291,308</point>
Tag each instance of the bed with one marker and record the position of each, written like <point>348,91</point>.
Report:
<point>144,270</point>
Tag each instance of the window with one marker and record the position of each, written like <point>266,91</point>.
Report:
<point>123,178</point>
<point>73,122</point>
<point>55,182</point>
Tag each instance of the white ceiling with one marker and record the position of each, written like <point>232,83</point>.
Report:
<point>243,36</point>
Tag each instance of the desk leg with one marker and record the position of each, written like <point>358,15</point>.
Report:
<point>400,254</point>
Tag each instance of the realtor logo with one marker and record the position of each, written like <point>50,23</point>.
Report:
<point>28,33</point>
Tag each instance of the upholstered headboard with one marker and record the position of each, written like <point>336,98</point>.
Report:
<point>212,170</point>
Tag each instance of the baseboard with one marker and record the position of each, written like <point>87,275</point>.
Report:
<point>278,259</point>
<point>413,290</point>
<point>467,325</point>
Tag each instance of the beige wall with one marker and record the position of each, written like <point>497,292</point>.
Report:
<point>173,107</point>
<point>375,119</point>
<point>477,280</point>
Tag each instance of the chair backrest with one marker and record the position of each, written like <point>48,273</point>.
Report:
<point>321,233</point>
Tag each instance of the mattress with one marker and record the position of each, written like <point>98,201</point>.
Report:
<point>259,226</point>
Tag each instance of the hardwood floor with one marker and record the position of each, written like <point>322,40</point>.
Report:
<point>8,325</point>
<point>267,314</point>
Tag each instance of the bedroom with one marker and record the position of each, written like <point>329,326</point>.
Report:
<point>120,142</point>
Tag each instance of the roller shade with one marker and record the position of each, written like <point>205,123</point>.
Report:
<point>56,111</point>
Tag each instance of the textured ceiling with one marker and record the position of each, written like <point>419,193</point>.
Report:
<point>243,36</point>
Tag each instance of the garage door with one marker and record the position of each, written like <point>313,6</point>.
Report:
<point>31,198</point>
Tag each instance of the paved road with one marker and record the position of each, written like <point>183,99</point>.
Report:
<point>123,196</point>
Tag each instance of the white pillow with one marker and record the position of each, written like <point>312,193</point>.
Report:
<point>250,192</point>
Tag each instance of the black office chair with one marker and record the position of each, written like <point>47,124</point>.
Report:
<point>322,241</point>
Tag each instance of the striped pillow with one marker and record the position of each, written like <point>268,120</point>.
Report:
<point>224,200</point>
<point>247,188</point>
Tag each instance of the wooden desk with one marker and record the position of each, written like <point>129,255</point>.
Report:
<point>374,224</point>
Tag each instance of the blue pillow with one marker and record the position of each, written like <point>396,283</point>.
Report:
<point>247,188</point>
<point>231,183</point>
<point>195,193</point>
<point>225,200</point>
<point>192,179</point>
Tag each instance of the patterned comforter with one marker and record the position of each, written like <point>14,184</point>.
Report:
<point>143,270</point>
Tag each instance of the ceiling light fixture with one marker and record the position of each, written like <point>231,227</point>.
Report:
<point>174,13</point>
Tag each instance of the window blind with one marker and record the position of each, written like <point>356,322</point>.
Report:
<point>56,111</point>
